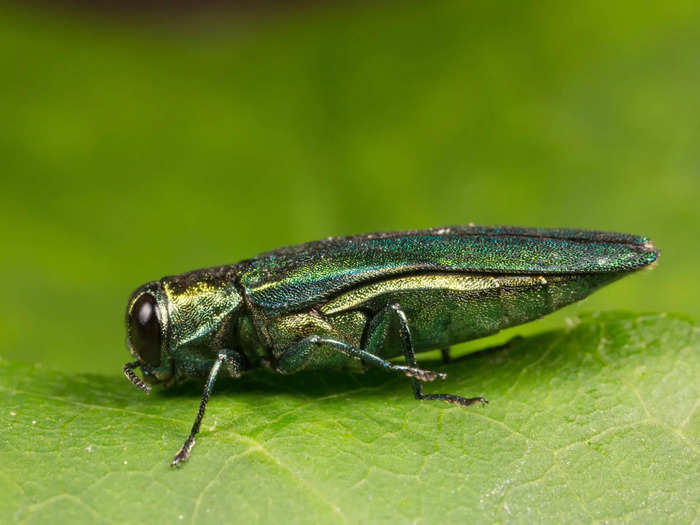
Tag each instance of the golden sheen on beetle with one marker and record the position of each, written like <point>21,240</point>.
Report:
<point>356,302</point>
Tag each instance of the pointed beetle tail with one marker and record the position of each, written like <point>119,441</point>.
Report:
<point>135,380</point>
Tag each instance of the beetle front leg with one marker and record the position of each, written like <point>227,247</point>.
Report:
<point>380,328</point>
<point>232,361</point>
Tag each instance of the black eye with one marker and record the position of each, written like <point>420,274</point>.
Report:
<point>144,321</point>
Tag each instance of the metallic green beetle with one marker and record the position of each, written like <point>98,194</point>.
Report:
<point>358,301</point>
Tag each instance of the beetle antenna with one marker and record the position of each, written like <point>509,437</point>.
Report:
<point>136,380</point>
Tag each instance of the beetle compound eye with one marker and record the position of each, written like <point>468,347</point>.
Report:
<point>145,330</point>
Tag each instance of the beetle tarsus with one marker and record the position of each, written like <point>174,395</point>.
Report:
<point>128,369</point>
<point>455,400</point>
<point>184,452</point>
<point>420,374</point>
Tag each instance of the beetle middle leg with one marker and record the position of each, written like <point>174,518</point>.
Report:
<point>302,354</point>
<point>385,324</point>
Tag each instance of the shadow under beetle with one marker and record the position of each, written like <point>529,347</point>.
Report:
<point>358,301</point>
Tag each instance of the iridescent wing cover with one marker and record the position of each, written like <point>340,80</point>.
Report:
<point>301,276</point>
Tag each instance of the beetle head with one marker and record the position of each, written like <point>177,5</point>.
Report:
<point>147,335</point>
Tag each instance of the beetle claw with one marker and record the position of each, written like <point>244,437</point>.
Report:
<point>183,453</point>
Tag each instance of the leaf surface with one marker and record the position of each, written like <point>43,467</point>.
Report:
<point>596,422</point>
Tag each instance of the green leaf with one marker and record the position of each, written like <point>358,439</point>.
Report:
<point>598,422</point>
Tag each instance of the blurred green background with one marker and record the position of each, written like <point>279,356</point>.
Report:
<point>135,148</point>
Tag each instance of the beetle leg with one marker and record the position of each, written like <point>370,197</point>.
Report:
<point>379,331</point>
<point>233,365</point>
<point>299,355</point>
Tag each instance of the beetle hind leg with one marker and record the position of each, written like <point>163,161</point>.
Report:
<point>380,329</point>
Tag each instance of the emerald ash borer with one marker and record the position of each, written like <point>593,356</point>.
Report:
<point>357,302</point>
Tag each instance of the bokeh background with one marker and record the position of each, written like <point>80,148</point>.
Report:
<point>139,142</point>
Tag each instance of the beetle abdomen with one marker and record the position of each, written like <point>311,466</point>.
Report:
<point>449,308</point>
